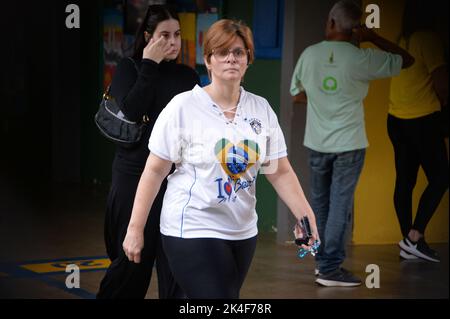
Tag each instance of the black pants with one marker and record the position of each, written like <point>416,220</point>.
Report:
<point>125,279</point>
<point>418,143</point>
<point>208,267</point>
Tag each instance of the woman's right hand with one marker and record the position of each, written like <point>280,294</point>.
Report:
<point>298,232</point>
<point>133,245</point>
<point>156,50</point>
<point>315,232</point>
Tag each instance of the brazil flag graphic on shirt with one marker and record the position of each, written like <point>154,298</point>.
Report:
<point>236,159</point>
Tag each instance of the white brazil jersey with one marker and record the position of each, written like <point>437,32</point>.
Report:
<point>211,194</point>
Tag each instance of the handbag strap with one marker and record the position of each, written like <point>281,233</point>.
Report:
<point>145,118</point>
<point>107,96</point>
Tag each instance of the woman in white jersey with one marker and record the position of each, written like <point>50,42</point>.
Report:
<point>219,137</point>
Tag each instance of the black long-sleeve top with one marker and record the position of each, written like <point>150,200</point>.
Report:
<point>146,92</point>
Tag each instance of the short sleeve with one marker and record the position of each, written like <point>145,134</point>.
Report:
<point>276,145</point>
<point>378,64</point>
<point>296,84</point>
<point>432,51</point>
<point>165,140</point>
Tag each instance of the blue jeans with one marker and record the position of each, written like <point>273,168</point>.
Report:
<point>333,182</point>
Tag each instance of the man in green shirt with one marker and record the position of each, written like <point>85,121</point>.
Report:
<point>333,78</point>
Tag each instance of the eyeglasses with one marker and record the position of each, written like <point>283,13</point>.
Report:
<point>222,54</point>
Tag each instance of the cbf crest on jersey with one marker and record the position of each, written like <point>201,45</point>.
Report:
<point>256,125</point>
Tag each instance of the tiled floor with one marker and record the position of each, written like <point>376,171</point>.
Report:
<point>62,223</point>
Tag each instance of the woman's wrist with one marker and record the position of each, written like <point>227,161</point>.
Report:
<point>135,227</point>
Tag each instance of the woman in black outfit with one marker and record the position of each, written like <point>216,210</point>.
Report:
<point>142,85</point>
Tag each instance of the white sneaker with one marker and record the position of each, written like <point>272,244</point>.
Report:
<point>405,255</point>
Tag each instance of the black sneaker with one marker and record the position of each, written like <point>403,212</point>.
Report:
<point>338,278</point>
<point>419,249</point>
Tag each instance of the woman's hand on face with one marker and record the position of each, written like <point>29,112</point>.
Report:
<point>133,245</point>
<point>156,50</point>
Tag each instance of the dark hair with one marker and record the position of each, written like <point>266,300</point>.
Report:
<point>154,15</point>
<point>417,16</point>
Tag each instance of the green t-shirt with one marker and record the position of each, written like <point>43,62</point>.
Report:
<point>335,76</point>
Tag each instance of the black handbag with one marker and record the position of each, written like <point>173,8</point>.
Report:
<point>115,126</point>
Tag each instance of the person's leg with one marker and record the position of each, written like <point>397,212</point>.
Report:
<point>109,232</point>
<point>413,147</point>
<point>320,176</point>
<point>205,267</point>
<point>346,171</point>
<point>167,286</point>
<point>243,251</point>
<point>401,134</point>
<point>434,161</point>
<point>125,279</point>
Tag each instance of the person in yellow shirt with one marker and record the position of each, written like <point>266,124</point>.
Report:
<point>413,123</point>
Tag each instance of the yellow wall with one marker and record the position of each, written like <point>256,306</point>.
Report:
<point>375,219</point>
